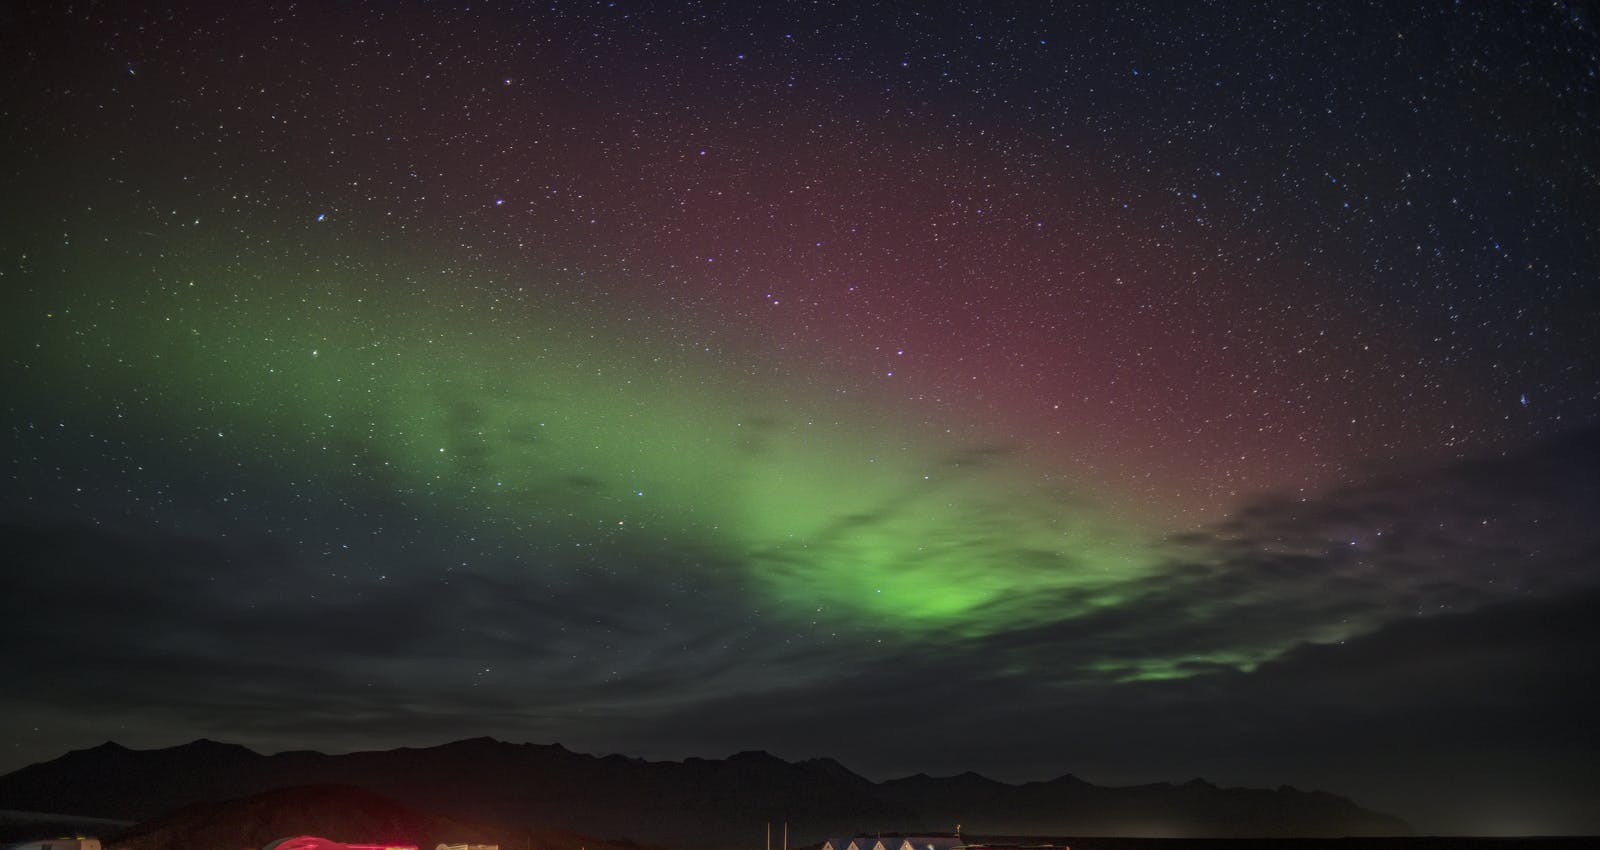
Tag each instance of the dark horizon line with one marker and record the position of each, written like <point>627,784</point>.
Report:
<point>556,745</point>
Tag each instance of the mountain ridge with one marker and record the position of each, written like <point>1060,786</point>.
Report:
<point>339,812</point>
<point>708,803</point>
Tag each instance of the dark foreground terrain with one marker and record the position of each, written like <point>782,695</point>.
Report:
<point>1394,843</point>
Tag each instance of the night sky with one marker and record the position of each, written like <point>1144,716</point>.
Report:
<point>1139,391</point>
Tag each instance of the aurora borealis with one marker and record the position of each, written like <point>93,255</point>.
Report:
<point>1211,391</point>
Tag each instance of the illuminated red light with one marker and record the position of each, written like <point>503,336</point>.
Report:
<point>311,842</point>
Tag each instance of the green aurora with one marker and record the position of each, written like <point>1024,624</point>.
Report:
<point>543,431</point>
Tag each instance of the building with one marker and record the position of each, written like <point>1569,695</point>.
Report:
<point>59,844</point>
<point>929,842</point>
<point>896,841</point>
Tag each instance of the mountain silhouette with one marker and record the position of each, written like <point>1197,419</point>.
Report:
<point>339,812</point>
<point>703,803</point>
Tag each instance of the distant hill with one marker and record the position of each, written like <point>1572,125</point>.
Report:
<point>700,803</point>
<point>339,812</point>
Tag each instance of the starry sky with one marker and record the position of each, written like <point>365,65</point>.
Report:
<point>1140,391</point>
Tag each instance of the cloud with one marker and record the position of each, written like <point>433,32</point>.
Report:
<point>1291,642</point>
<point>1279,571</point>
<point>237,634</point>
<point>1426,640</point>
<point>1478,721</point>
